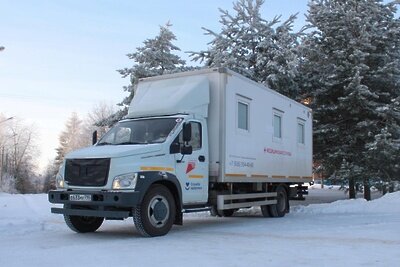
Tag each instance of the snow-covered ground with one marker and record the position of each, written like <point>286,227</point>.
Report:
<point>343,233</point>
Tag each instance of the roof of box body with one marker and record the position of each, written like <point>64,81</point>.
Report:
<point>180,95</point>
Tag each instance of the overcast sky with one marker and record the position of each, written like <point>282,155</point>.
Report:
<point>62,56</point>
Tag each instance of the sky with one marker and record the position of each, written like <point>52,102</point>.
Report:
<point>61,56</point>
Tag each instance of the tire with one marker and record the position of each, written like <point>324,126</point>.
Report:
<point>83,224</point>
<point>221,213</point>
<point>214,212</point>
<point>265,211</point>
<point>156,214</point>
<point>226,213</point>
<point>282,206</point>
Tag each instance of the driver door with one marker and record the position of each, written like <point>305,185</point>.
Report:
<point>192,171</point>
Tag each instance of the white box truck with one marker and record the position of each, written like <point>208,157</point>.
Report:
<point>201,140</point>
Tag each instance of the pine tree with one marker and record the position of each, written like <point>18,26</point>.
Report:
<point>350,69</point>
<point>264,51</point>
<point>155,57</point>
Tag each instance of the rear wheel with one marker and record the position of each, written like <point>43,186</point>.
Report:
<point>226,213</point>
<point>265,211</point>
<point>282,206</point>
<point>83,224</point>
<point>155,216</point>
<point>222,213</point>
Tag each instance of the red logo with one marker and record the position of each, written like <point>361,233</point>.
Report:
<point>191,166</point>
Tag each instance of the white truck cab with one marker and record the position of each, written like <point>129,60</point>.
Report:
<point>202,140</point>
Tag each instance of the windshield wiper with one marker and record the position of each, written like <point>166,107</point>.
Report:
<point>104,144</point>
<point>132,143</point>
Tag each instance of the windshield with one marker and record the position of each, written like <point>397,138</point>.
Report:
<point>144,131</point>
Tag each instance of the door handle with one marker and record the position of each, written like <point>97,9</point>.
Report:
<point>202,158</point>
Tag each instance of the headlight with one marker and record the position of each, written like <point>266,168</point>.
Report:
<point>59,181</point>
<point>125,181</point>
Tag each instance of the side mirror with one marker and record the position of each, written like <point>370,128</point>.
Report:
<point>175,148</point>
<point>186,150</point>
<point>94,137</point>
<point>187,132</point>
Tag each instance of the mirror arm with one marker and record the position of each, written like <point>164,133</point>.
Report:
<point>180,160</point>
<point>183,155</point>
<point>94,137</point>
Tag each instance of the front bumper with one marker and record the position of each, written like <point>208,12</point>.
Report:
<point>108,204</point>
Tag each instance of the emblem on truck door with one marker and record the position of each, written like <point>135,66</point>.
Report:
<point>191,166</point>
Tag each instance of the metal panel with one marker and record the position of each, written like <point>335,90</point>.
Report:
<point>91,213</point>
<point>245,196</point>
<point>222,198</point>
<point>265,179</point>
<point>247,204</point>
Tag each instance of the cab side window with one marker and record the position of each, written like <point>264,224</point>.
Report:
<point>196,136</point>
<point>196,141</point>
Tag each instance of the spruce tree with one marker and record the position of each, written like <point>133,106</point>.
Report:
<point>264,51</point>
<point>350,70</point>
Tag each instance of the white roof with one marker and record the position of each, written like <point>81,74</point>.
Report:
<point>190,94</point>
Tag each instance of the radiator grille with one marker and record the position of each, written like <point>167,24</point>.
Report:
<point>87,172</point>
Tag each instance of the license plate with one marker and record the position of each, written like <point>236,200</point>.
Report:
<point>80,197</point>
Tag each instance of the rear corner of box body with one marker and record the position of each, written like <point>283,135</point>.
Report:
<point>216,123</point>
<point>255,154</point>
<point>223,81</point>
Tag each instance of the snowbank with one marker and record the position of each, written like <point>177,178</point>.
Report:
<point>326,187</point>
<point>386,204</point>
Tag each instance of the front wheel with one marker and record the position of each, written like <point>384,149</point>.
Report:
<point>156,214</point>
<point>83,224</point>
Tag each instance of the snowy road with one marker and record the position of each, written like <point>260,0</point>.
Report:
<point>344,233</point>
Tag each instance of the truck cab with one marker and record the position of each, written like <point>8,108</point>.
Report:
<point>136,154</point>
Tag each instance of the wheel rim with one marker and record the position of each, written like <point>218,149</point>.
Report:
<point>158,211</point>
